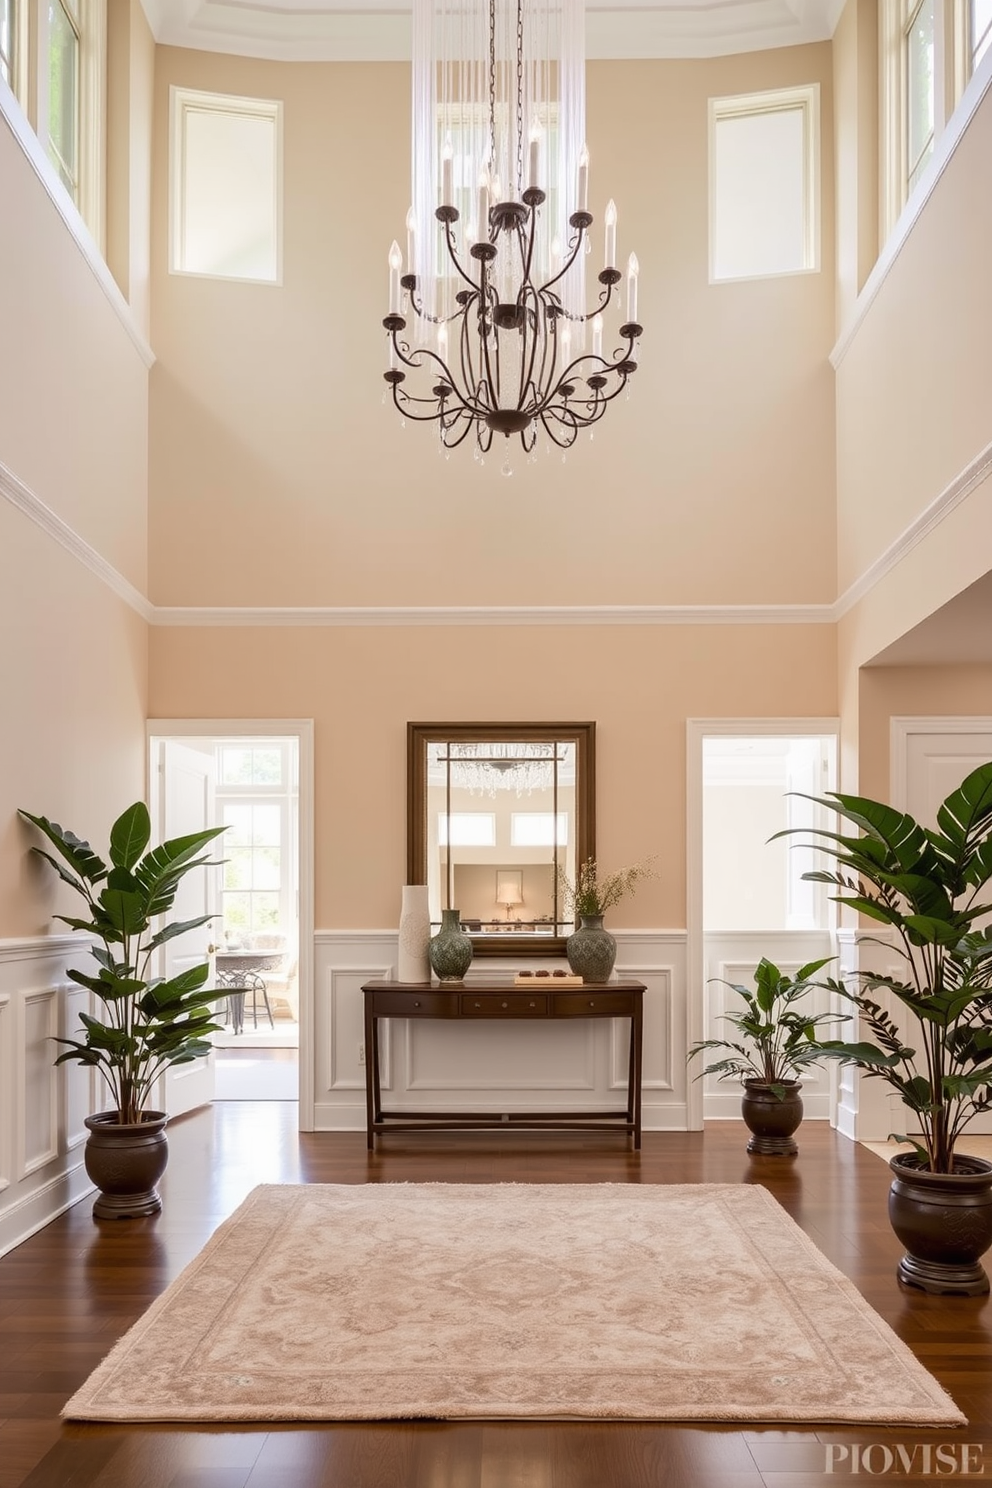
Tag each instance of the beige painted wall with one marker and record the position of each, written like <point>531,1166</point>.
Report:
<point>73,389</point>
<point>73,675</point>
<point>914,388</point>
<point>893,692</point>
<point>277,476</point>
<point>362,686</point>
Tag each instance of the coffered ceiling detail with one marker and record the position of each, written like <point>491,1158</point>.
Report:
<point>379,30</point>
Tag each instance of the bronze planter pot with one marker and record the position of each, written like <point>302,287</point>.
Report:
<point>945,1222</point>
<point>126,1162</point>
<point>771,1121</point>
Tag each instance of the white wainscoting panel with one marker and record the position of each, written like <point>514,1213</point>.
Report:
<point>489,1065</point>
<point>41,1107</point>
<point>732,956</point>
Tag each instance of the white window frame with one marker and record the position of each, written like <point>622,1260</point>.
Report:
<point>13,59</point>
<point>183,101</point>
<point>285,796</point>
<point>807,99</point>
<point>951,71</point>
<point>90,194</point>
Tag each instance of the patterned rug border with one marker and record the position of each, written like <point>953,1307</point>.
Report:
<point>97,1399</point>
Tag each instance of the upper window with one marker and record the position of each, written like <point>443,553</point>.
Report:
<point>918,60</point>
<point>764,184</point>
<point>7,42</point>
<point>64,32</point>
<point>980,35</point>
<point>225,186</point>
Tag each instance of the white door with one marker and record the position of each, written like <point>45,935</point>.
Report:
<point>185,801</point>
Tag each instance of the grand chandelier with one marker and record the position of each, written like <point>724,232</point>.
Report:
<point>499,231</point>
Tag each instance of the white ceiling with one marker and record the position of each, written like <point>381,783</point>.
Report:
<point>379,30</point>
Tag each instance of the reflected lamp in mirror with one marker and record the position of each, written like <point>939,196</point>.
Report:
<point>480,794</point>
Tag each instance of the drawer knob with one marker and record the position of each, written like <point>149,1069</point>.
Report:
<point>478,1004</point>
<point>506,1004</point>
<point>416,1004</point>
<point>533,1004</point>
<point>591,1003</point>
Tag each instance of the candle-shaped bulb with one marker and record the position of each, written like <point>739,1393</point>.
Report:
<point>395,264</point>
<point>633,269</point>
<point>597,335</point>
<point>611,234</point>
<point>411,242</point>
<point>447,156</point>
<point>534,158</point>
<point>583,192</point>
<point>483,206</point>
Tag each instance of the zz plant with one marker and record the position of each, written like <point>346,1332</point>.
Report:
<point>148,1022</point>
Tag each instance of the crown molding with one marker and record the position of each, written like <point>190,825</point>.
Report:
<point>380,31</point>
<point>462,615</point>
<point>31,506</point>
<point>30,146</point>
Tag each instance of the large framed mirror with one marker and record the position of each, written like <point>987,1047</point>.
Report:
<point>493,811</point>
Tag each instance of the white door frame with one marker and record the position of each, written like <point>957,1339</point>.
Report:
<point>901,729</point>
<point>300,729</point>
<point>698,729</point>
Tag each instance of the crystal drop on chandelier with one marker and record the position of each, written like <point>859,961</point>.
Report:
<point>488,323</point>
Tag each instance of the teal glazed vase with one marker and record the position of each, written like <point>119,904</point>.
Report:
<point>591,950</point>
<point>450,949</point>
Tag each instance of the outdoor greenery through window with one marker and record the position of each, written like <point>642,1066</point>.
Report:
<point>7,41</point>
<point>63,91</point>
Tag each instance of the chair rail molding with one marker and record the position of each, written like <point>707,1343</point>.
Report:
<point>41,1107</point>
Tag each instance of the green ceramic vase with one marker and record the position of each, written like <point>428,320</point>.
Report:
<point>450,948</point>
<point>591,950</point>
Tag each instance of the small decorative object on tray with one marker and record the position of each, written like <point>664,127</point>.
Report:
<point>557,978</point>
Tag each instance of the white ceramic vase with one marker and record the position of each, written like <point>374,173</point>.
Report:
<point>412,961</point>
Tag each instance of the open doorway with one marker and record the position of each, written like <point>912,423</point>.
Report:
<point>251,779</point>
<point>747,898</point>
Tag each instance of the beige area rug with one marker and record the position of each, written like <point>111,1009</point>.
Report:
<point>700,1302</point>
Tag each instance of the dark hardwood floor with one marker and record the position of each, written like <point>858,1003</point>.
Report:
<point>70,1291</point>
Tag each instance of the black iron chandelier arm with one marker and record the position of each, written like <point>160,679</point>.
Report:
<point>453,255</point>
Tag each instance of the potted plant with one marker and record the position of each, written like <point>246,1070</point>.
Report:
<point>926,887</point>
<point>775,1041</point>
<point>147,1022</point>
<point>591,950</point>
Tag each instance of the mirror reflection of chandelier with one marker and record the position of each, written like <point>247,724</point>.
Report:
<point>484,769</point>
<point>498,233</point>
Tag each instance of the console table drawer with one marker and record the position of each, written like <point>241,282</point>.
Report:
<point>576,1004</point>
<point>504,1005</point>
<point>426,1004</point>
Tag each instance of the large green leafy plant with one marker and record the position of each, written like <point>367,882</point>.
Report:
<point>149,1022</point>
<point>776,1029</point>
<point>926,886</point>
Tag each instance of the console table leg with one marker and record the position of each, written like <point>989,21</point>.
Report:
<point>371,1075</point>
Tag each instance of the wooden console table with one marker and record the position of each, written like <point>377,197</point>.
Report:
<point>497,997</point>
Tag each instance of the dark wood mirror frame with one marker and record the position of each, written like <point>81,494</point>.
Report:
<point>420,735</point>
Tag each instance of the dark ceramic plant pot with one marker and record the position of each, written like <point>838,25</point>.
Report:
<point>945,1222</point>
<point>770,1120</point>
<point>126,1162</point>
